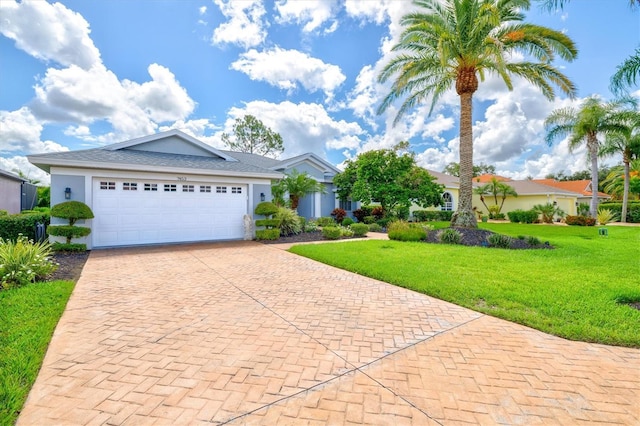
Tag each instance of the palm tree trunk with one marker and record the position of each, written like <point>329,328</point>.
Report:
<point>625,191</point>
<point>592,148</point>
<point>464,216</point>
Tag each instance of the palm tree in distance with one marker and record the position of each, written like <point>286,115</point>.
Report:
<point>455,43</point>
<point>583,125</point>
<point>627,143</point>
<point>496,189</point>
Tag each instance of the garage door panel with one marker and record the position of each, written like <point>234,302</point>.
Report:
<point>127,217</point>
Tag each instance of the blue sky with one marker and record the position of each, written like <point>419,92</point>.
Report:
<point>78,74</point>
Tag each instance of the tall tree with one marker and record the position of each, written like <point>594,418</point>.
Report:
<point>453,169</point>
<point>627,143</point>
<point>583,125</point>
<point>389,177</point>
<point>559,4</point>
<point>252,136</point>
<point>627,73</point>
<point>297,185</point>
<point>453,43</point>
<point>496,189</point>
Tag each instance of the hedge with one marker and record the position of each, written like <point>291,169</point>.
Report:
<point>580,220</point>
<point>633,210</point>
<point>432,215</point>
<point>13,225</point>
<point>523,216</point>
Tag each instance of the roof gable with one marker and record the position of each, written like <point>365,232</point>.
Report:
<point>171,142</point>
<point>309,158</point>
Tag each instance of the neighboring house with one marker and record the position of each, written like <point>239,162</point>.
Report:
<point>16,193</point>
<point>164,188</point>
<point>565,195</point>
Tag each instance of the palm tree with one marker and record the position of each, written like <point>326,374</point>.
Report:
<point>453,43</point>
<point>627,73</point>
<point>496,189</point>
<point>559,4</point>
<point>626,142</point>
<point>298,185</point>
<point>583,125</point>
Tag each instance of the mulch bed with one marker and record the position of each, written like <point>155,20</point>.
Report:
<point>70,265</point>
<point>478,237</point>
<point>303,237</point>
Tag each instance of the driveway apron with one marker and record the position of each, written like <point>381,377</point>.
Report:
<point>243,333</point>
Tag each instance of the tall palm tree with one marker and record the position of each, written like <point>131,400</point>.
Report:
<point>453,43</point>
<point>583,125</point>
<point>626,142</point>
<point>627,74</point>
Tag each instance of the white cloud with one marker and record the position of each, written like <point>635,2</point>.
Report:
<point>245,26</point>
<point>312,13</point>
<point>202,10</point>
<point>20,132</point>
<point>287,69</point>
<point>367,10</point>
<point>304,127</point>
<point>11,164</point>
<point>49,32</point>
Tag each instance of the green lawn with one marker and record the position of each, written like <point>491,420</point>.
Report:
<point>572,291</point>
<point>28,316</point>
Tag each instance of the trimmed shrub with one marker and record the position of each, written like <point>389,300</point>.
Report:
<point>22,262</point>
<point>326,221</point>
<point>359,229</point>
<point>268,223</point>
<point>580,221</point>
<point>75,247</point>
<point>403,231</point>
<point>338,214</point>
<point>68,232</point>
<point>331,232</point>
<point>4,213</point>
<point>374,227</point>
<point>268,234</point>
<point>72,211</point>
<point>266,208</point>
<point>12,226</point>
<point>432,215</point>
<point>347,221</point>
<point>449,236</point>
<point>289,221</point>
<point>523,216</point>
<point>499,240</point>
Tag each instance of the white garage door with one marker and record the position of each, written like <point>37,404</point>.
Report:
<point>130,212</point>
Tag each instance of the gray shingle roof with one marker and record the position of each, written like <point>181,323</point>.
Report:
<point>253,159</point>
<point>103,158</point>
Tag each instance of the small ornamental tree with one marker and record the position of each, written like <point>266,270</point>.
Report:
<point>272,231</point>
<point>72,211</point>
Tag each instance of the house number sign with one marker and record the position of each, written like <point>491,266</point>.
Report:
<point>182,178</point>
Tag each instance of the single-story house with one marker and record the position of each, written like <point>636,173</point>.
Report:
<point>16,193</point>
<point>170,187</point>
<point>566,195</point>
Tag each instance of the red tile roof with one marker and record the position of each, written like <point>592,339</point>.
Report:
<point>486,178</point>
<point>579,186</point>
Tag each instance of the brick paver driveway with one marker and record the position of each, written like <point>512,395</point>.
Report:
<point>242,333</point>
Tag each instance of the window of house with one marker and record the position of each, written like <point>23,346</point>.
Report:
<point>447,202</point>
<point>107,185</point>
<point>129,186</point>
<point>205,188</point>
<point>236,190</point>
<point>187,188</point>
<point>170,187</point>
<point>150,186</point>
<point>221,189</point>
<point>346,205</point>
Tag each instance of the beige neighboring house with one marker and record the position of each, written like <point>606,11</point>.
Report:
<point>566,195</point>
<point>16,193</point>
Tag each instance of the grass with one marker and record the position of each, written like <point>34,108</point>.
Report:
<point>28,316</point>
<point>573,291</point>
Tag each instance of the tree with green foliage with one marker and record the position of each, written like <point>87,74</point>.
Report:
<point>582,125</point>
<point>72,211</point>
<point>252,136</point>
<point>559,4</point>
<point>627,143</point>
<point>453,169</point>
<point>627,73</point>
<point>456,43</point>
<point>297,185</point>
<point>496,189</point>
<point>389,177</point>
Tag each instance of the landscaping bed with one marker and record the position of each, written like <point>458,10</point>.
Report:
<point>478,237</point>
<point>70,265</point>
<point>303,237</point>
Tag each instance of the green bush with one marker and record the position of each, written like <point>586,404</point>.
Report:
<point>347,221</point>
<point>76,247</point>
<point>533,241</point>
<point>523,216</point>
<point>310,226</point>
<point>4,213</point>
<point>374,227</point>
<point>363,212</point>
<point>326,221</point>
<point>268,223</point>
<point>331,232</point>
<point>432,215</point>
<point>499,240</point>
<point>633,210</point>
<point>606,215</point>
<point>268,234</point>
<point>449,236</point>
<point>289,221</point>
<point>403,231</point>
<point>266,208</point>
<point>22,261</point>
<point>369,219</point>
<point>72,210</point>
<point>345,232</point>
<point>384,222</point>
<point>580,220</point>
<point>68,232</point>
<point>12,226</point>
<point>359,229</point>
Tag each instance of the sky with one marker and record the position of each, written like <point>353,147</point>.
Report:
<point>80,74</point>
